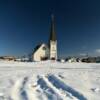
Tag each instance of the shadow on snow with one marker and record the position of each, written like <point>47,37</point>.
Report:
<point>61,85</point>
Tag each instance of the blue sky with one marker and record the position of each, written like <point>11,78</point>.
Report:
<point>26,23</point>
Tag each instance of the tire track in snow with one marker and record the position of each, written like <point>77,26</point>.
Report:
<point>23,92</point>
<point>18,91</point>
<point>47,89</point>
<point>51,88</point>
<point>52,92</point>
<point>61,85</point>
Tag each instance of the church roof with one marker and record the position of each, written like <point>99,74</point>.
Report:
<point>38,46</point>
<point>52,31</point>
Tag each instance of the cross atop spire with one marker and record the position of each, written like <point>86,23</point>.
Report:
<point>52,31</point>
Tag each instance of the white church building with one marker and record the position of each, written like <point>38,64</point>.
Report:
<point>47,51</point>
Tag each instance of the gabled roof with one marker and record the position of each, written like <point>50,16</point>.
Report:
<point>38,46</point>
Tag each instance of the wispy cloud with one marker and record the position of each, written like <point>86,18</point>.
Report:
<point>97,50</point>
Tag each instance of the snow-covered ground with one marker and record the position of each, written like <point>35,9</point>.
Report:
<point>49,81</point>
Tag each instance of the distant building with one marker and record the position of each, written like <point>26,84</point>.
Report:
<point>7,58</point>
<point>18,59</point>
<point>91,60</point>
<point>47,51</point>
<point>73,59</point>
<point>62,60</point>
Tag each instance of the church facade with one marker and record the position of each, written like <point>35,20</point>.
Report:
<point>47,51</point>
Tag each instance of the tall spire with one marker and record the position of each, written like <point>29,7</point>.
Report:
<point>53,40</point>
<point>52,31</point>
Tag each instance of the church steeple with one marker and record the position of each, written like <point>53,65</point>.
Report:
<point>52,31</point>
<point>53,40</point>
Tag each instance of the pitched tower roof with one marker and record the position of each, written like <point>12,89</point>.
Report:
<point>52,31</point>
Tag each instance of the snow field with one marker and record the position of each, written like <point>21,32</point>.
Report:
<point>49,81</point>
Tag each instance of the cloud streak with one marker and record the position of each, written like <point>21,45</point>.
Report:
<point>97,50</point>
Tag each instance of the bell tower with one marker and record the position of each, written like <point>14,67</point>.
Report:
<point>53,40</point>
